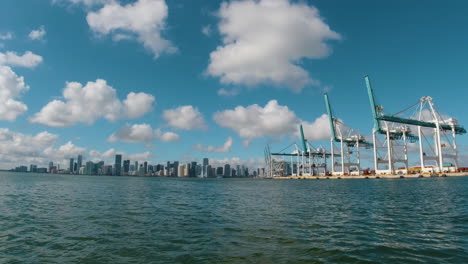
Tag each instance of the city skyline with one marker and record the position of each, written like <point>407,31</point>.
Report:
<point>72,85</point>
<point>169,169</point>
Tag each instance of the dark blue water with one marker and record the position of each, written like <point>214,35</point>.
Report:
<point>85,219</point>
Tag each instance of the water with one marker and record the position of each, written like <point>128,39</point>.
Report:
<point>86,219</point>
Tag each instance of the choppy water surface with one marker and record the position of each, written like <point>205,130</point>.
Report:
<point>66,219</point>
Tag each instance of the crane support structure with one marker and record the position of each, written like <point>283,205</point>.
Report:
<point>397,131</point>
<point>309,161</point>
<point>347,143</point>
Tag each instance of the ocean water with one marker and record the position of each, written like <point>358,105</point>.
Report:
<point>92,219</point>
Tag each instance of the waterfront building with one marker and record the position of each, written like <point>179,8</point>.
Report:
<point>145,167</point>
<point>89,168</point>
<point>107,170</point>
<point>193,168</point>
<point>72,163</point>
<point>219,172</point>
<point>41,170</point>
<point>51,164</point>
<point>227,170</point>
<point>126,166</point>
<point>118,164</point>
<point>79,161</point>
<point>32,168</point>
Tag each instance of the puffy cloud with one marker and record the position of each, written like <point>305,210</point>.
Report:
<point>6,36</point>
<point>11,87</point>
<point>263,42</point>
<point>65,151</point>
<point>317,130</point>
<point>109,155</point>
<point>137,104</point>
<point>255,121</point>
<point>37,34</point>
<point>134,133</point>
<point>226,147</point>
<point>142,133</point>
<point>39,149</point>
<point>273,120</point>
<point>167,136</point>
<point>185,117</point>
<point>85,104</point>
<point>27,60</point>
<point>143,19</point>
<point>227,93</point>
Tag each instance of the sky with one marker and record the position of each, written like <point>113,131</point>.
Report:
<point>181,80</point>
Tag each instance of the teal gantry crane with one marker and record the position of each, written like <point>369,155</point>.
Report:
<point>349,143</point>
<point>436,146</point>
<point>307,161</point>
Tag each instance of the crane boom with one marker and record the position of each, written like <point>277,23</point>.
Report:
<point>330,116</point>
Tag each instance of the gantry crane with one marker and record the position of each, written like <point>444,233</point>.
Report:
<point>428,123</point>
<point>349,144</point>
<point>307,161</point>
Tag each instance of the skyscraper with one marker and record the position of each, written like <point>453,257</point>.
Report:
<point>118,164</point>
<point>126,166</point>
<point>80,162</point>
<point>227,171</point>
<point>145,167</point>
<point>205,172</point>
<point>71,165</point>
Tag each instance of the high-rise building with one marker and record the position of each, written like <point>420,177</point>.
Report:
<point>136,166</point>
<point>227,170</point>
<point>118,164</point>
<point>193,169</point>
<point>80,162</point>
<point>32,168</point>
<point>51,164</point>
<point>176,168</point>
<point>145,167</point>
<point>89,168</point>
<point>126,166</point>
<point>72,163</point>
<point>205,162</point>
<point>219,172</point>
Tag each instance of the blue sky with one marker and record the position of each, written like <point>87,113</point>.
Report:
<point>288,51</point>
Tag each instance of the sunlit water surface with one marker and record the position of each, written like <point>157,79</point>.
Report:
<point>86,219</point>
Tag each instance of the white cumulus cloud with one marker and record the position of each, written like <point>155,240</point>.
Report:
<point>24,149</point>
<point>264,41</point>
<point>133,133</point>
<point>144,20</point>
<point>185,117</point>
<point>11,87</point>
<point>85,104</point>
<point>38,34</point>
<point>27,60</point>
<point>109,155</point>
<point>137,104</point>
<point>166,136</point>
<point>226,147</point>
<point>317,130</point>
<point>272,120</point>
